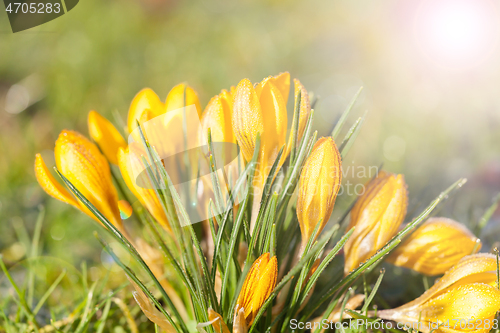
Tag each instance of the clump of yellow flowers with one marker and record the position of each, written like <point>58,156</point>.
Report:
<point>252,262</point>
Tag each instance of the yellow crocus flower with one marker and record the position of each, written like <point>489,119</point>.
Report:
<point>377,215</point>
<point>146,99</point>
<point>258,285</point>
<point>179,96</point>
<point>131,165</point>
<point>163,128</point>
<point>261,110</point>
<point>435,246</point>
<point>318,186</point>
<point>467,292</point>
<point>81,162</point>
<point>106,136</point>
<point>218,117</point>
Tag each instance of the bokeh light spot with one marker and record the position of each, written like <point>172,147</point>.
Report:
<point>457,34</point>
<point>125,209</point>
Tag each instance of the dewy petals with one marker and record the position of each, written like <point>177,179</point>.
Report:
<point>106,136</point>
<point>218,117</point>
<point>146,99</point>
<point>467,291</point>
<point>318,186</point>
<point>377,215</point>
<point>81,162</point>
<point>131,164</point>
<point>258,285</point>
<point>435,246</point>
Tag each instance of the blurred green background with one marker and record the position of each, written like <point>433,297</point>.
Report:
<point>429,69</point>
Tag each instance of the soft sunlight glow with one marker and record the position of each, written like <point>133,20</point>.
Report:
<point>457,34</point>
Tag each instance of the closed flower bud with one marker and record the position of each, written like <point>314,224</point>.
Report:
<point>467,292</point>
<point>130,165</point>
<point>377,215</point>
<point>218,117</point>
<point>318,186</point>
<point>261,110</point>
<point>81,162</point>
<point>106,136</point>
<point>258,285</point>
<point>180,96</point>
<point>146,99</point>
<point>435,246</point>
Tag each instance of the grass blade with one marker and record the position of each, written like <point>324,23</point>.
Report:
<point>343,117</point>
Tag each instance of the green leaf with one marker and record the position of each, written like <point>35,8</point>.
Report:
<point>296,269</point>
<point>130,248</point>
<point>351,136</point>
<point>295,126</point>
<point>322,266</point>
<point>136,280</point>
<point>364,309</point>
<point>343,117</point>
<point>488,214</point>
<point>232,245</point>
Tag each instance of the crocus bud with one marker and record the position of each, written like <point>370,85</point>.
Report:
<point>435,246</point>
<point>258,285</point>
<point>467,292</point>
<point>180,96</point>
<point>319,184</point>
<point>218,117</point>
<point>261,110</point>
<point>377,215</point>
<point>106,136</point>
<point>146,99</point>
<point>130,165</point>
<point>81,162</point>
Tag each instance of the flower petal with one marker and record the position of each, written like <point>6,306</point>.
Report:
<point>435,246</point>
<point>281,81</point>
<point>219,324</point>
<point>144,100</point>
<point>149,309</point>
<point>81,162</point>
<point>319,184</point>
<point>247,118</point>
<point>130,164</point>
<point>274,125</point>
<point>470,301</point>
<point>50,185</point>
<point>259,283</point>
<point>106,136</point>
<point>218,117</point>
<point>479,267</point>
<point>377,215</point>
<point>180,96</point>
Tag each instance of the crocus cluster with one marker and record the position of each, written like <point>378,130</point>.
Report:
<point>254,115</point>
